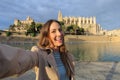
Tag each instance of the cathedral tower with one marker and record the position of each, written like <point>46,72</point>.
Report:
<point>60,18</point>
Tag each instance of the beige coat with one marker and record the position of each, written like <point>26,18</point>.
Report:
<point>17,61</point>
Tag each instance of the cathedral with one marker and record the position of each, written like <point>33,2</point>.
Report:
<point>89,24</point>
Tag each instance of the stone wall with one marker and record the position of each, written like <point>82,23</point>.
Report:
<point>67,38</point>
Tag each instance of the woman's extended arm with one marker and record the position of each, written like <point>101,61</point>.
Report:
<point>16,60</point>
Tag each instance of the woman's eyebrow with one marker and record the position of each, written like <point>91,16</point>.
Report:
<point>53,29</point>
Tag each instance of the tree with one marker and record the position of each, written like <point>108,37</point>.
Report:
<point>31,29</point>
<point>82,30</point>
<point>33,34</point>
<point>8,33</point>
<point>19,23</point>
<point>38,27</point>
<point>61,22</point>
<point>75,28</point>
<point>69,28</point>
<point>71,31</point>
<point>64,28</point>
<point>12,27</point>
<point>26,26</point>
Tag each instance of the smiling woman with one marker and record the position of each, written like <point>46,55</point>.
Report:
<point>56,35</point>
<point>50,57</point>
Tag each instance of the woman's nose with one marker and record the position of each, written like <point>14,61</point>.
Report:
<point>59,33</point>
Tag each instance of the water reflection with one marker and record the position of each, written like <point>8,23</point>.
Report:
<point>95,51</point>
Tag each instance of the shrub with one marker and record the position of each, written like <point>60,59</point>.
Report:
<point>8,33</point>
<point>26,33</point>
<point>32,34</point>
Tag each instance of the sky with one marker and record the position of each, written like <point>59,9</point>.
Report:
<point>107,12</point>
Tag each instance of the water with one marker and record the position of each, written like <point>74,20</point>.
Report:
<point>95,51</point>
<point>87,51</point>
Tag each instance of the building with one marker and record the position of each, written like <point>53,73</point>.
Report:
<point>89,24</point>
<point>28,20</point>
<point>115,32</point>
<point>21,25</point>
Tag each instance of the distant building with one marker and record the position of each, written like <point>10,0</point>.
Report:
<point>22,25</point>
<point>113,32</point>
<point>89,24</point>
<point>28,21</point>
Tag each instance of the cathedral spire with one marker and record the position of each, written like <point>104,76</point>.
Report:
<point>60,16</point>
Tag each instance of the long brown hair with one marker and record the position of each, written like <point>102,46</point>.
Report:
<point>44,42</point>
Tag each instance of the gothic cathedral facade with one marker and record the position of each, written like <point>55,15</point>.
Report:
<point>89,24</point>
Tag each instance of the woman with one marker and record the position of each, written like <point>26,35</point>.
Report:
<point>50,58</point>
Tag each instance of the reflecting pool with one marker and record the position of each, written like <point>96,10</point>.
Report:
<point>95,51</point>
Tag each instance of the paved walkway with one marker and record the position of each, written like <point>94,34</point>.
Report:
<point>86,71</point>
<point>97,71</point>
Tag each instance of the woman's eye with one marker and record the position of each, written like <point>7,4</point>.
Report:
<point>53,31</point>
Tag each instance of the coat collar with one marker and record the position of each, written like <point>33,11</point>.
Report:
<point>51,60</point>
<point>48,55</point>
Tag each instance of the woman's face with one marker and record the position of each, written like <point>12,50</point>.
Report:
<point>56,35</point>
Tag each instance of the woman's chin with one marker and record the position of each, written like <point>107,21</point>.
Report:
<point>60,44</point>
